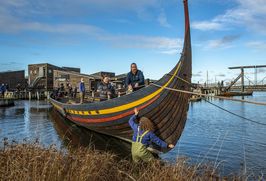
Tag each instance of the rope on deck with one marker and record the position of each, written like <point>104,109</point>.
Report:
<point>220,97</point>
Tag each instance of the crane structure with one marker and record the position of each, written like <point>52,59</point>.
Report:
<point>242,75</point>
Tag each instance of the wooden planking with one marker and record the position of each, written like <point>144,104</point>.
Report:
<point>169,112</point>
<point>163,130</point>
<point>173,131</point>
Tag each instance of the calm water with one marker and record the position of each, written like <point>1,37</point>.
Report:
<point>210,135</point>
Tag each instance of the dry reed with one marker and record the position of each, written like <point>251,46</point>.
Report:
<point>31,161</point>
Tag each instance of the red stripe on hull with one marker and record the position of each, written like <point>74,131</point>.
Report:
<point>107,119</point>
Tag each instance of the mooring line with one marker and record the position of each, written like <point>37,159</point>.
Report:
<point>220,97</point>
<point>234,113</point>
<point>206,95</point>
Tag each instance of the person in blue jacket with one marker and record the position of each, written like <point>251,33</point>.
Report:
<point>135,78</point>
<point>3,90</point>
<point>82,90</point>
<point>143,136</point>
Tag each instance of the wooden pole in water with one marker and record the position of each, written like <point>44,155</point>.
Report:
<point>48,95</point>
<point>38,95</point>
<point>242,80</point>
<point>207,79</point>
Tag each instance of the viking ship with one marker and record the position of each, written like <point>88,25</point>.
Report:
<point>167,109</point>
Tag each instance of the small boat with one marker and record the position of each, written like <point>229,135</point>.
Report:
<point>195,98</point>
<point>167,109</point>
<point>231,94</point>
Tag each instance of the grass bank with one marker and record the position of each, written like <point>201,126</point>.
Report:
<point>32,161</point>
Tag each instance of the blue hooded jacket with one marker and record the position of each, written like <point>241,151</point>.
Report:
<point>147,139</point>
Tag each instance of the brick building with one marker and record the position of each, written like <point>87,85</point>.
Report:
<point>13,78</point>
<point>73,78</point>
<point>41,76</point>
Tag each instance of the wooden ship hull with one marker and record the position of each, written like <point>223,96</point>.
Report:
<point>167,109</point>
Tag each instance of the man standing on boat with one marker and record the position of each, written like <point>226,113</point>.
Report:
<point>135,78</point>
<point>82,90</point>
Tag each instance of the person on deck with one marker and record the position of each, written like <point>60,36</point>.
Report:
<point>0,90</point>
<point>70,90</point>
<point>3,90</point>
<point>135,78</point>
<point>61,90</point>
<point>143,136</point>
<point>82,90</point>
<point>106,89</point>
<point>7,87</point>
<point>75,92</point>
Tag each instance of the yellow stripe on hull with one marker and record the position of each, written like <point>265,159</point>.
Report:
<point>126,106</point>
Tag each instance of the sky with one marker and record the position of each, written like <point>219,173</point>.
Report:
<point>108,35</point>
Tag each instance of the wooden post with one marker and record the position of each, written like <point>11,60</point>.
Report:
<point>48,95</point>
<point>38,95</point>
<point>242,80</point>
<point>29,95</point>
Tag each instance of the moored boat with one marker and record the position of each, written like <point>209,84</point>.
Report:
<point>167,109</point>
<point>231,94</point>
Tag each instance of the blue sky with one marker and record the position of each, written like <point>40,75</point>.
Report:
<point>110,34</point>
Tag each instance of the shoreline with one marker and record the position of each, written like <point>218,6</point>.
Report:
<point>35,162</point>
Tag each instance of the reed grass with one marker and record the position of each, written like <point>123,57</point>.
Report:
<point>32,161</point>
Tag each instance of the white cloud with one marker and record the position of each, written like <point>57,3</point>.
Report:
<point>164,44</point>
<point>163,20</point>
<point>207,25</point>
<point>171,51</point>
<point>249,14</point>
<point>17,16</point>
<point>258,45</point>
<point>223,43</point>
<point>68,8</point>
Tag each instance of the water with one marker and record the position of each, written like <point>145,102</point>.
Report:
<point>211,135</point>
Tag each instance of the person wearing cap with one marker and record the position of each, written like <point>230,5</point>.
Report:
<point>143,136</point>
<point>82,90</point>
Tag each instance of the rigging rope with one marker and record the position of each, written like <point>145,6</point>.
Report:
<point>250,80</point>
<point>220,97</point>
<point>264,124</point>
<point>206,95</point>
<point>262,80</point>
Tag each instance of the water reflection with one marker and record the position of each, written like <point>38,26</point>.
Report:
<point>33,120</point>
<point>233,144</point>
<point>74,135</point>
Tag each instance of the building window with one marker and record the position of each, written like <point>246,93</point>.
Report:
<point>44,72</point>
<point>49,71</point>
<point>31,72</point>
